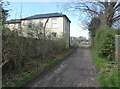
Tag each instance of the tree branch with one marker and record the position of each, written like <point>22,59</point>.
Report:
<point>116,18</point>
<point>90,10</point>
<point>45,25</point>
<point>118,5</point>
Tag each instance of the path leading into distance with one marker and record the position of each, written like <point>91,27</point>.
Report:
<point>77,70</point>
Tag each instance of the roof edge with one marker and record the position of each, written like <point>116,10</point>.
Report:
<point>46,17</point>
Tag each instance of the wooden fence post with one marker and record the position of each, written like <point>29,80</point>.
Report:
<point>1,29</point>
<point>117,50</point>
<point>1,55</point>
<point>117,55</point>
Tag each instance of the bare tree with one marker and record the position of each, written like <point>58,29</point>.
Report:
<point>106,11</point>
<point>45,26</point>
<point>37,29</point>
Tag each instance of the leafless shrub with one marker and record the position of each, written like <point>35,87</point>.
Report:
<point>21,53</point>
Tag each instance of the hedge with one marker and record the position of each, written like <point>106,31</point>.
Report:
<point>105,43</point>
<point>23,53</point>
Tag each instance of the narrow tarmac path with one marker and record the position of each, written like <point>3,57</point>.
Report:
<point>77,70</point>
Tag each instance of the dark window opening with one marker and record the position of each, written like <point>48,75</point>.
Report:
<point>54,34</point>
<point>30,25</point>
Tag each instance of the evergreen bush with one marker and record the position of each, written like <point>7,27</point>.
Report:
<point>105,43</point>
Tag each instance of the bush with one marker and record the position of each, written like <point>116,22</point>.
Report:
<point>22,54</point>
<point>118,31</point>
<point>105,43</point>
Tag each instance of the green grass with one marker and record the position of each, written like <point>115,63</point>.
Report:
<point>21,79</point>
<point>107,70</point>
<point>99,62</point>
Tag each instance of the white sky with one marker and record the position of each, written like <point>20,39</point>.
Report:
<point>76,31</point>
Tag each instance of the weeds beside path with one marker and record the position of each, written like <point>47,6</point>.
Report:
<point>106,70</point>
<point>23,78</point>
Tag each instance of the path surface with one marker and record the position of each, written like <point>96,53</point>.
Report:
<point>76,71</point>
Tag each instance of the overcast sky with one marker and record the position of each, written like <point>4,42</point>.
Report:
<point>32,8</point>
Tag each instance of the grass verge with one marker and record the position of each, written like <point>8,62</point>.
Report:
<point>23,78</point>
<point>107,70</point>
